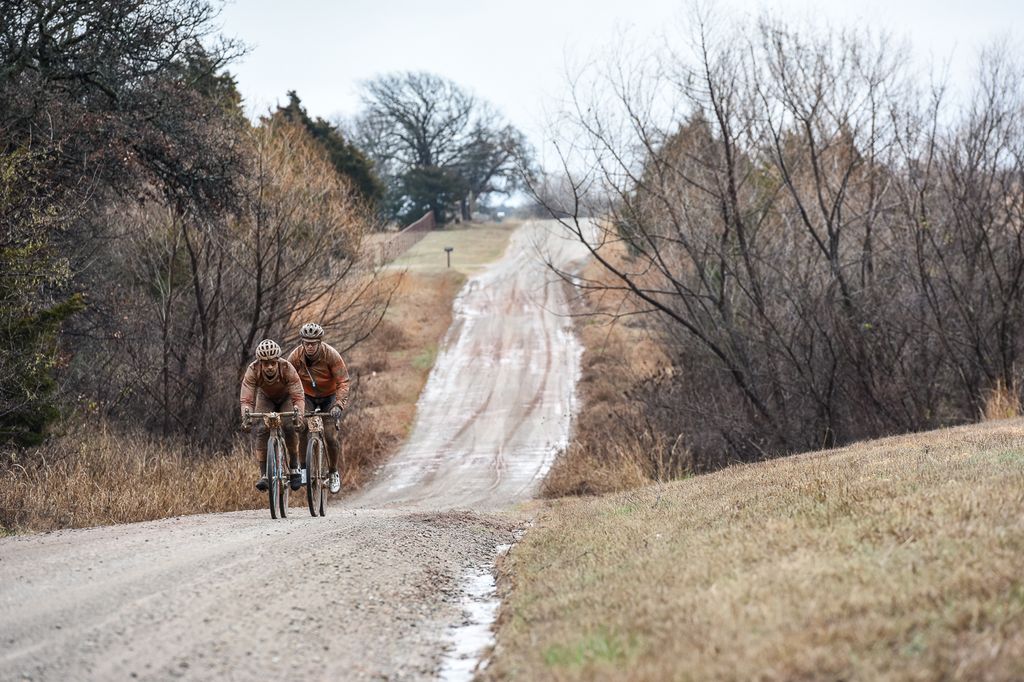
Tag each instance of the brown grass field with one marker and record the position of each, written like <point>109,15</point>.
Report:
<point>100,476</point>
<point>895,559</point>
<point>889,559</point>
<point>474,246</point>
<point>118,476</point>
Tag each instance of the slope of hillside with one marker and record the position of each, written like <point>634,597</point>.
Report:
<point>891,559</point>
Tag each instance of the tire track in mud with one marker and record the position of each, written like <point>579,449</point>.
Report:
<point>535,403</point>
<point>499,401</point>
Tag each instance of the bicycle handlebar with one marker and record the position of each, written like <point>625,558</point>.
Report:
<point>318,413</point>
<point>293,414</point>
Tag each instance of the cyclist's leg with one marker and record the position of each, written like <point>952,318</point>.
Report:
<point>331,435</point>
<point>259,433</point>
<point>302,439</point>
<point>290,434</point>
<point>299,447</point>
<point>333,438</point>
<point>291,441</point>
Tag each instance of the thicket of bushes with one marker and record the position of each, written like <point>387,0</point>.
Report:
<point>151,235</point>
<point>828,249</point>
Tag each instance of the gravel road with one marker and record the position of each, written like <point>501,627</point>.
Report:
<point>500,398</point>
<point>367,592</point>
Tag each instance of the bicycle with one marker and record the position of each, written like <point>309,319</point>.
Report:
<point>317,473</point>
<point>278,473</point>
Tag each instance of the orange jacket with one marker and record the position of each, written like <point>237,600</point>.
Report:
<point>322,375</point>
<point>285,385</point>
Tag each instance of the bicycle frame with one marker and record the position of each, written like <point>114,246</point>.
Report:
<point>317,476</point>
<point>278,474</point>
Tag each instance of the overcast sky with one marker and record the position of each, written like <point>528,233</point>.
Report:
<point>514,53</point>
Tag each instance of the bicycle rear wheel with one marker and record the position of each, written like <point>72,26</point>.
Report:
<point>284,478</point>
<point>323,490</point>
<point>322,475</point>
<point>314,483</point>
<point>273,479</point>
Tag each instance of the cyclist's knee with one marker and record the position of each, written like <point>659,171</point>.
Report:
<point>333,445</point>
<point>260,453</point>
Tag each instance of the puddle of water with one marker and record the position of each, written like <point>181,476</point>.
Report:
<point>471,639</point>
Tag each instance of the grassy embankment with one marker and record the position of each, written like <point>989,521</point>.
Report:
<point>395,362</point>
<point>100,475</point>
<point>475,245</point>
<point>891,559</point>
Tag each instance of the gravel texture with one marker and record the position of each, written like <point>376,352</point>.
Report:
<point>358,594</point>
<point>367,592</point>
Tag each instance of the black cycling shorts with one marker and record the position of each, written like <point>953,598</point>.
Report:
<point>323,404</point>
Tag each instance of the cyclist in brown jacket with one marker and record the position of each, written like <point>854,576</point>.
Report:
<point>270,384</point>
<point>325,384</point>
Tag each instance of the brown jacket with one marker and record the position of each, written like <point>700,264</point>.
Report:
<point>286,385</point>
<point>324,375</point>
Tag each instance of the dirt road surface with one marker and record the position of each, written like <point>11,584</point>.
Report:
<point>499,400</point>
<point>368,592</point>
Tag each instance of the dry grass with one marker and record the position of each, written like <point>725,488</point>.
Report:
<point>96,476</point>
<point>117,476</point>
<point>394,363</point>
<point>891,559</point>
<point>1002,402</point>
<point>475,245</point>
<point>612,449</point>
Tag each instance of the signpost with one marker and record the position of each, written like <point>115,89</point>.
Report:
<point>448,251</point>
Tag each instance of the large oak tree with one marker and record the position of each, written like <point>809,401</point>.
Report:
<point>438,147</point>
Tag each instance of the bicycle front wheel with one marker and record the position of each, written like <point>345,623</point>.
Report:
<point>312,482</point>
<point>284,479</point>
<point>316,461</point>
<point>273,476</point>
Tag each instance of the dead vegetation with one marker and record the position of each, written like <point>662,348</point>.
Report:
<point>102,475</point>
<point>99,475</point>
<point>614,446</point>
<point>1001,402</point>
<point>889,559</point>
<point>829,243</point>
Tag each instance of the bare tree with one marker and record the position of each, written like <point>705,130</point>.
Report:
<point>109,101</point>
<point>436,144</point>
<point>825,260</point>
<point>197,293</point>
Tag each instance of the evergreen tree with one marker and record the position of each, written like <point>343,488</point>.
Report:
<point>31,305</point>
<point>346,158</point>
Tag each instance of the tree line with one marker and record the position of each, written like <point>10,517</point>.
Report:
<point>829,246</point>
<point>152,235</point>
<point>423,143</point>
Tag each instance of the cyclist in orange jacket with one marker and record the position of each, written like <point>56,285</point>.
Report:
<point>270,384</point>
<point>325,384</point>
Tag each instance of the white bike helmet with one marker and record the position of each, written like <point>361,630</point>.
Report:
<point>268,350</point>
<point>311,331</point>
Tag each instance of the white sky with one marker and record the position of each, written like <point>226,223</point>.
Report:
<point>514,53</point>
